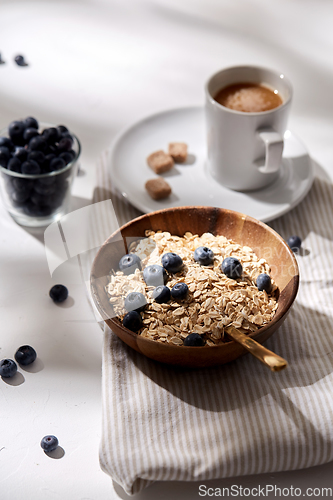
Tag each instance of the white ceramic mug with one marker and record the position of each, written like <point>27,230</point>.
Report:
<point>245,149</point>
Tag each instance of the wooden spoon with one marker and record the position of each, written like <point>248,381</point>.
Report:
<point>269,358</point>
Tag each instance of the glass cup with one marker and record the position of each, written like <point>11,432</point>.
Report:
<point>39,200</point>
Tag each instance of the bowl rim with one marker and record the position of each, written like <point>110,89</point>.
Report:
<point>277,316</point>
<point>4,133</point>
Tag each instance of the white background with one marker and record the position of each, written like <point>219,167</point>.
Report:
<point>97,66</point>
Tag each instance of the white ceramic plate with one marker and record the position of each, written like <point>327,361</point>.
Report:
<point>190,182</point>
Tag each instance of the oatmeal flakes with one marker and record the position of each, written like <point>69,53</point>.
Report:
<point>214,301</point>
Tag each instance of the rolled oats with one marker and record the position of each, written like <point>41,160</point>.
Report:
<point>214,302</point>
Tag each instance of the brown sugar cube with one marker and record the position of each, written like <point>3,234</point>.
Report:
<point>160,162</point>
<point>158,188</point>
<point>178,151</point>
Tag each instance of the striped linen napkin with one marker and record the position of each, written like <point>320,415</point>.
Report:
<point>162,423</point>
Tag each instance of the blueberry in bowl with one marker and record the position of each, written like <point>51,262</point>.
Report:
<point>38,163</point>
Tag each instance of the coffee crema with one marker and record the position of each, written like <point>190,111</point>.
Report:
<point>248,97</point>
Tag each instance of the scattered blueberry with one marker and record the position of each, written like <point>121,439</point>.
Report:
<point>128,263</point>
<point>8,368</point>
<point>204,255</point>
<point>20,61</point>
<point>133,321</point>
<point>194,339</point>
<point>49,443</point>
<point>29,133</point>
<point>294,243</point>
<point>57,164</point>
<point>161,294</point>
<point>172,262</point>
<point>135,301</point>
<point>30,167</point>
<point>1,60</point>
<point>38,142</point>
<point>58,293</point>
<point>155,275</point>
<point>179,291</point>
<point>264,282</point>
<point>15,131</point>
<point>31,122</point>
<point>25,355</point>
<point>232,268</point>
<point>4,156</point>
<point>5,141</point>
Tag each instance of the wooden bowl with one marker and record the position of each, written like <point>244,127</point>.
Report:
<point>241,228</point>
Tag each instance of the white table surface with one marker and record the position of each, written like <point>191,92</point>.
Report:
<point>97,66</point>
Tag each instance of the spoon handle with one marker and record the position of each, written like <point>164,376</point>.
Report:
<point>269,358</point>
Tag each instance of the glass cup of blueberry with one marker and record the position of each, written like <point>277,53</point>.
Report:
<point>38,163</point>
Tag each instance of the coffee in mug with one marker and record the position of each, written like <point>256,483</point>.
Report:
<point>245,138</point>
<point>249,97</point>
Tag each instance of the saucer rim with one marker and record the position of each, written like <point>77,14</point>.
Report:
<point>119,184</point>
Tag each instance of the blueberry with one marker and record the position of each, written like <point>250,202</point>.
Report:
<point>14,165</point>
<point>5,141</point>
<point>133,321</point>
<point>204,255</point>
<point>19,197</point>
<point>25,355</point>
<point>15,131</point>
<point>232,268</point>
<point>67,156</point>
<point>29,133</point>
<point>37,156</point>
<point>38,143</point>
<point>49,443</point>
<point>61,130</point>
<point>22,184</point>
<point>194,339</point>
<point>264,282</point>
<point>172,262</point>
<point>46,163</point>
<point>161,294</point>
<point>34,210</point>
<point>50,135</point>
<point>179,291</point>
<point>21,154</point>
<point>65,144</point>
<point>44,189</point>
<point>155,275</point>
<point>135,301</point>
<point>31,122</point>
<point>58,293</point>
<point>294,243</point>
<point>30,167</point>
<point>20,61</point>
<point>42,200</point>
<point>129,262</point>
<point>57,164</point>
<point>4,156</point>
<point>8,368</point>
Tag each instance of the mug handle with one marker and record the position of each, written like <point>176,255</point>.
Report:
<point>273,149</point>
